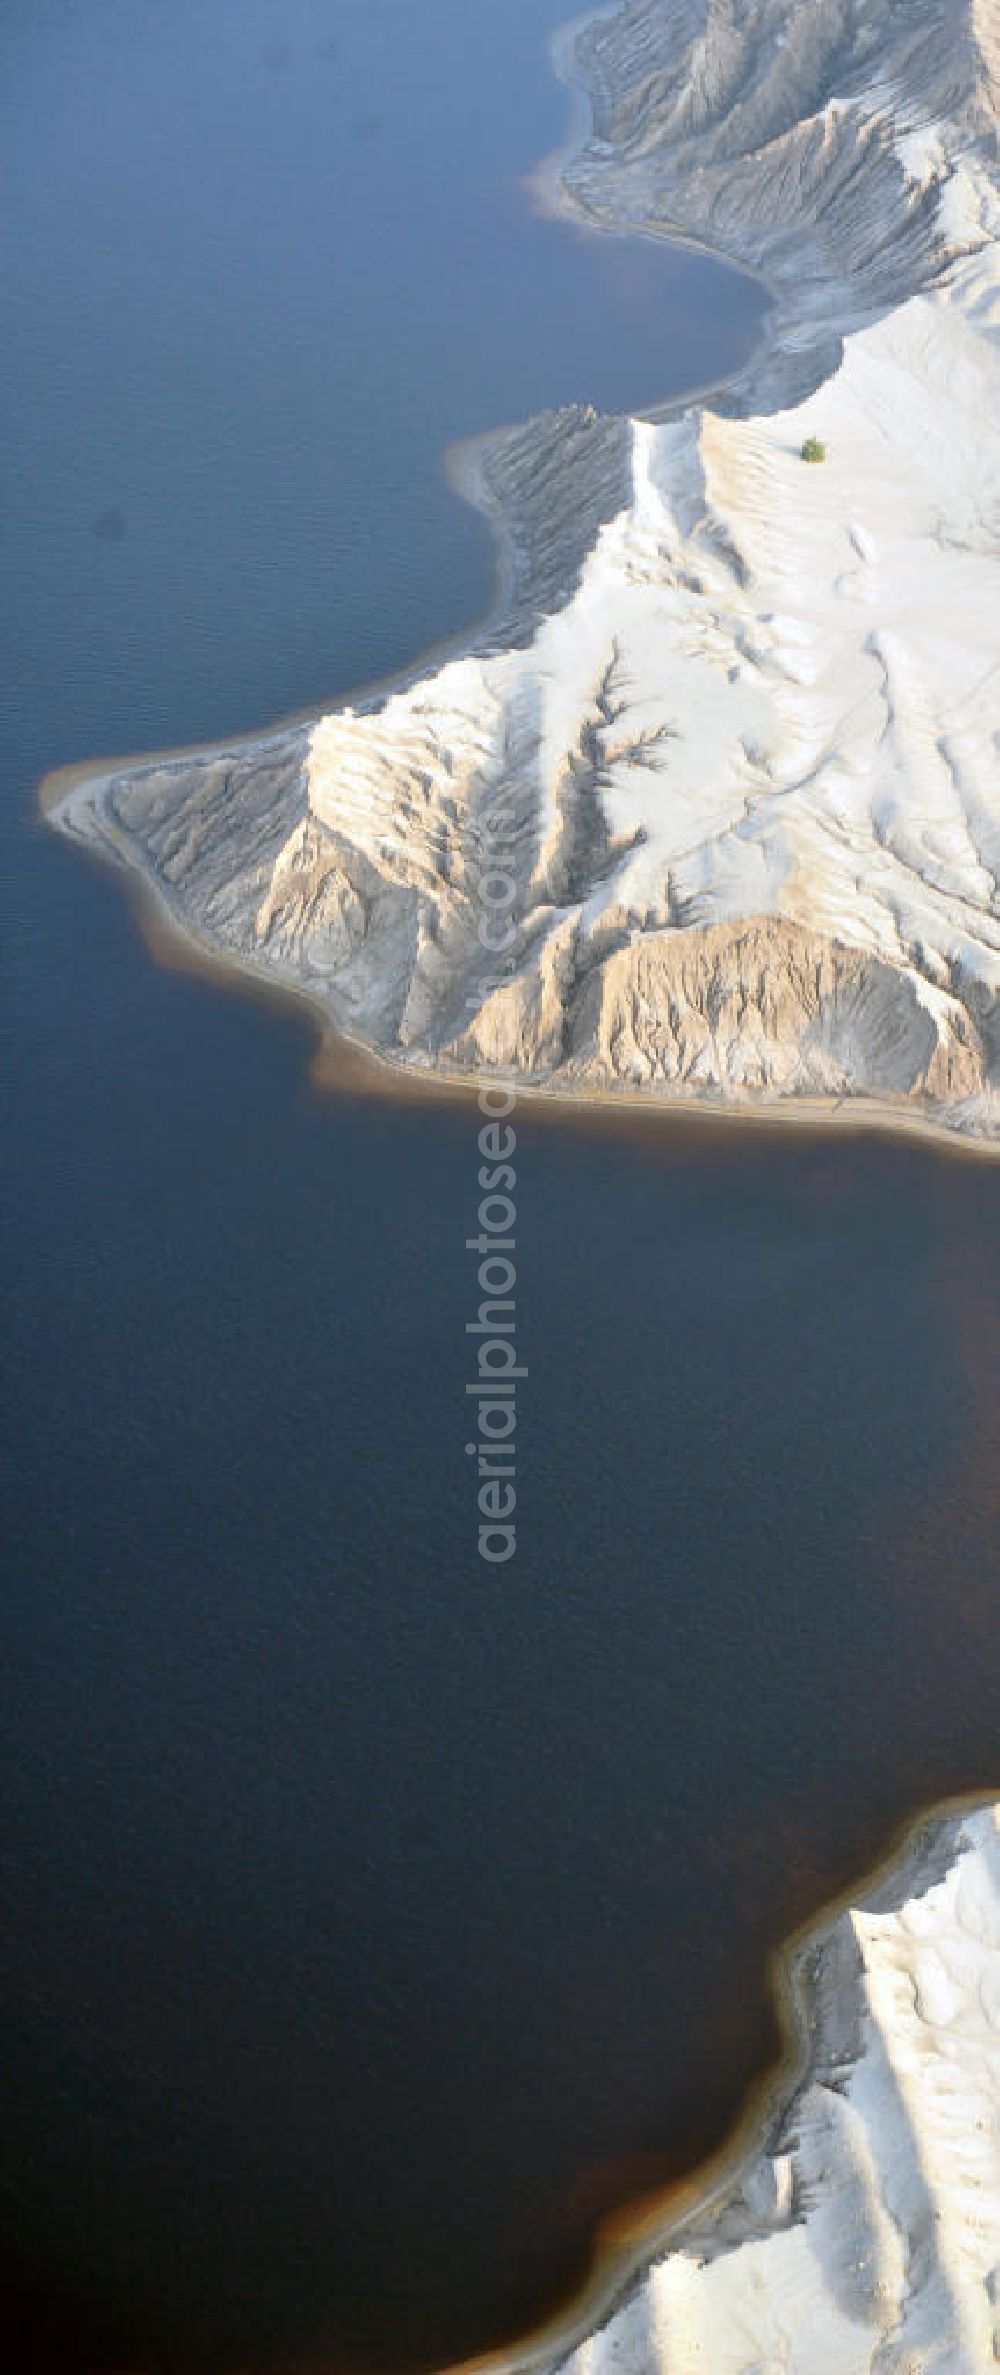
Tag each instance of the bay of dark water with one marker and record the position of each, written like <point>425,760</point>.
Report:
<point>374,1921</point>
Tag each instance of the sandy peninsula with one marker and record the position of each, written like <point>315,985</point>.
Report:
<point>729,755</point>
<point>726,765</point>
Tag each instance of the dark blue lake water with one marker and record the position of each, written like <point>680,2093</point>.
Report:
<point>375,1921</point>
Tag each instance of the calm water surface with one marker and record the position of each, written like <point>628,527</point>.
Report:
<point>375,1922</point>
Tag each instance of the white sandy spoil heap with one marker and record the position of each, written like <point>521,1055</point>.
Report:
<point>864,2237</point>
<point>737,732</point>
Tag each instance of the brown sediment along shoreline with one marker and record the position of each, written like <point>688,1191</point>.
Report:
<point>634,2235</point>
<point>642,2228</point>
<point>343,1064</point>
<point>648,2228</point>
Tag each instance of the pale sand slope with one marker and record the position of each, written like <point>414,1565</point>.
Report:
<point>864,2238</point>
<point>740,725</point>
